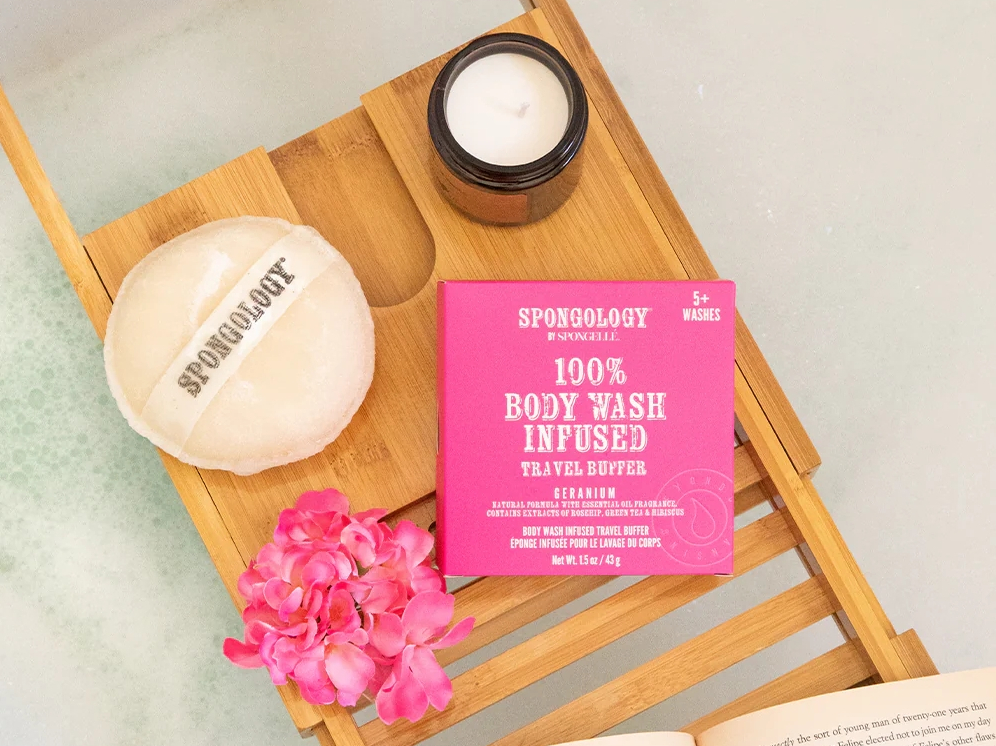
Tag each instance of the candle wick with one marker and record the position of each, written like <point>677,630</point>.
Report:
<point>522,109</point>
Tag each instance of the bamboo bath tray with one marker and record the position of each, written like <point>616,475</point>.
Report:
<point>363,181</point>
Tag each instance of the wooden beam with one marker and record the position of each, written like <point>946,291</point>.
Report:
<point>68,247</point>
<point>834,671</point>
<point>914,655</point>
<point>817,527</point>
<point>338,728</point>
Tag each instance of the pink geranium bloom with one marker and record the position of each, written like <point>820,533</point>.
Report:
<point>316,518</point>
<point>400,571</point>
<point>344,604</point>
<point>341,670</point>
<point>416,679</point>
<point>365,536</point>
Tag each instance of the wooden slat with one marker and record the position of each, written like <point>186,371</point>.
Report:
<point>838,669</point>
<point>680,235</point>
<point>247,185</point>
<point>322,735</point>
<point>209,523</point>
<point>421,512</point>
<point>682,667</point>
<point>847,558</point>
<point>915,656</point>
<point>68,247</point>
<point>809,562</point>
<point>338,727</point>
<point>770,395</point>
<point>750,497</point>
<point>584,633</point>
<point>745,471</point>
<point>802,500</point>
<point>501,605</point>
<point>859,577</point>
<point>802,551</point>
<point>841,668</point>
<point>504,604</point>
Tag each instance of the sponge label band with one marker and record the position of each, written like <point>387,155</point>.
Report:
<point>231,332</point>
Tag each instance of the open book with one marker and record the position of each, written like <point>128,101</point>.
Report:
<point>953,709</point>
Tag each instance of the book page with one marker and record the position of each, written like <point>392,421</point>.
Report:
<point>638,739</point>
<point>949,710</point>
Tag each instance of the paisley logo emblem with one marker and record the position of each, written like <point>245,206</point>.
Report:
<point>694,522</point>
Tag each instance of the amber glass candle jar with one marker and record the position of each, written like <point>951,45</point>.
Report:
<point>507,117</point>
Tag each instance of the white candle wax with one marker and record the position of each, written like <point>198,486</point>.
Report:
<point>507,109</point>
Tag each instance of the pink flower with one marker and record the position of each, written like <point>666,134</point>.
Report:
<point>365,536</point>
<point>316,518</point>
<point>341,671</point>
<point>416,679</point>
<point>400,571</point>
<point>344,604</point>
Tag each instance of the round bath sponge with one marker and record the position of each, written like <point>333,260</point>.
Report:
<point>241,345</point>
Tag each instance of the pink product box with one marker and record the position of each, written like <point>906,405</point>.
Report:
<point>585,428</point>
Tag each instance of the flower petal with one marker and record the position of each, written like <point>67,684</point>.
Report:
<point>313,602</point>
<point>425,578</point>
<point>427,615</point>
<point>402,695</point>
<point>387,634</point>
<point>310,633</point>
<point>325,501</point>
<point>291,604</point>
<point>295,526</point>
<point>256,630</point>
<point>373,515</point>
<point>321,570</point>
<point>277,676</point>
<point>432,677</point>
<point>242,655</point>
<point>382,673</point>
<point>314,682</point>
<point>416,541</point>
<point>348,699</point>
<point>342,616</point>
<point>381,597</point>
<point>348,667</point>
<point>275,591</point>
<point>285,655</point>
<point>345,565</point>
<point>268,560</point>
<point>319,695</point>
<point>247,580</point>
<point>295,630</point>
<point>460,630</point>
<point>358,539</point>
